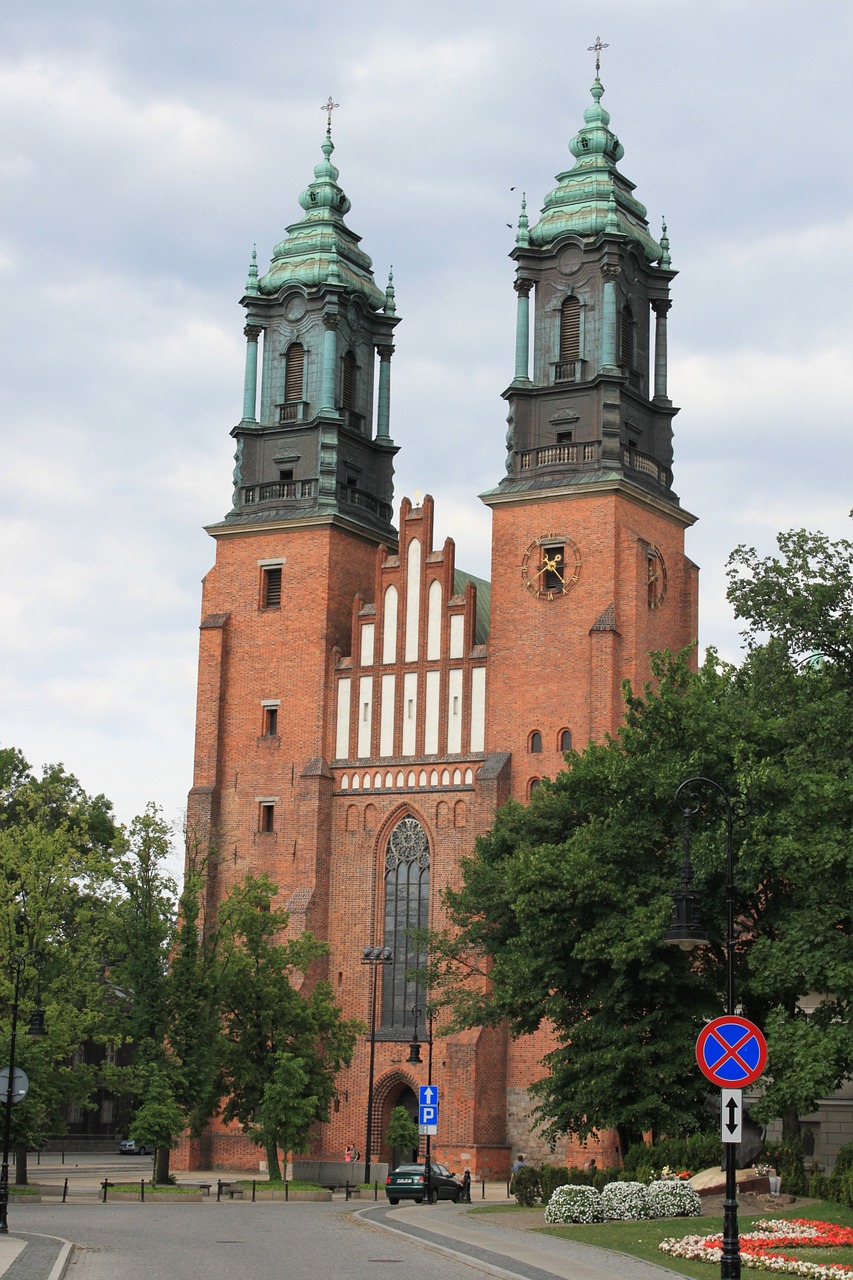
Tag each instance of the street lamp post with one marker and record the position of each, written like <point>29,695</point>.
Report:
<point>35,1029</point>
<point>374,957</point>
<point>415,1056</point>
<point>685,931</point>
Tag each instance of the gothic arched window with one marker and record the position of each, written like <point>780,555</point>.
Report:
<point>566,740</point>
<point>406,909</point>
<point>535,742</point>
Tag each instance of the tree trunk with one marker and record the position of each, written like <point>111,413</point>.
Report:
<point>272,1162</point>
<point>791,1125</point>
<point>161,1164</point>
<point>20,1166</point>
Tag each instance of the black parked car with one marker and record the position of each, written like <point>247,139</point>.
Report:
<point>409,1182</point>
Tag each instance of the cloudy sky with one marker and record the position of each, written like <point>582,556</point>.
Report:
<point>146,145</point>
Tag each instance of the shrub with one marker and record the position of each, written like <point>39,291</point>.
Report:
<point>819,1186</point>
<point>575,1204</point>
<point>550,1177</point>
<point>673,1200</point>
<point>582,1177</point>
<point>525,1186</point>
<point>626,1201</point>
<point>699,1151</point>
<point>787,1159</point>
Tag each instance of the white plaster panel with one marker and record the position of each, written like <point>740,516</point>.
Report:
<point>454,712</point>
<point>457,634</point>
<point>342,732</point>
<point>368,632</point>
<point>386,717</point>
<point>434,621</point>
<point>413,600</point>
<point>431,712</point>
<point>478,708</point>
<point>389,627</point>
<point>365,716</point>
<point>410,712</point>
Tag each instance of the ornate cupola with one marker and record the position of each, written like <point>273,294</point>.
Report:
<point>594,406</point>
<point>312,443</point>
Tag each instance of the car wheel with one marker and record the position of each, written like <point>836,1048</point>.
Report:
<point>433,1196</point>
<point>419,1199</point>
<point>393,1199</point>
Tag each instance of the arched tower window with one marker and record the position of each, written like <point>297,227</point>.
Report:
<point>535,742</point>
<point>570,339</point>
<point>406,909</point>
<point>566,740</point>
<point>626,337</point>
<point>348,381</point>
<point>294,372</point>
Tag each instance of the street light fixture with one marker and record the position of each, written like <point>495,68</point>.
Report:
<point>686,931</point>
<point>36,1029</point>
<point>374,957</point>
<point>415,1056</point>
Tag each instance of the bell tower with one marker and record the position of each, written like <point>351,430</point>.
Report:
<point>588,566</point>
<point>311,440</point>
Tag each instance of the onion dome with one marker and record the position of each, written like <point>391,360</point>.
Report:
<point>593,196</point>
<point>321,248</point>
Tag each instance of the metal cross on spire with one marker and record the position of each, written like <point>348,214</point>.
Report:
<point>596,49</point>
<point>329,107</point>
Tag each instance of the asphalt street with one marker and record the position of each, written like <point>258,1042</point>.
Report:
<point>213,1241</point>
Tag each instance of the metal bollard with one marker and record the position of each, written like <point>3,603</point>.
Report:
<point>65,1191</point>
<point>104,1184</point>
<point>483,1185</point>
<point>142,1191</point>
<point>218,1190</point>
<point>376,1191</point>
<point>253,1190</point>
<point>286,1194</point>
<point>346,1190</point>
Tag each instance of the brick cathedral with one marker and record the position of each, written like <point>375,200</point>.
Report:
<point>364,705</point>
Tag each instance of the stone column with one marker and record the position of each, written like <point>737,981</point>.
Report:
<point>330,354</point>
<point>522,331</point>
<point>383,403</point>
<point>660,307</point>
<point>608,329</point>
<point>250,380</point>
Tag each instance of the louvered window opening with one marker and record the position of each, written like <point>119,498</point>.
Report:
<point>348,387</point>
<point>626,336</point>
<point>294,372</point>
<point>272,588</point>
<point>570,331</point>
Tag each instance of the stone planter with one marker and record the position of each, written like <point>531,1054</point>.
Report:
<point>310,1195</point>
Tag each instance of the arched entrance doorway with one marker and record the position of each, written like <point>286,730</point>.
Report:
<point>396,1089</point>
<point>407,1100</point>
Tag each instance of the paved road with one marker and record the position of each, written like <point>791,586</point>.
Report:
<point>213,1241</point>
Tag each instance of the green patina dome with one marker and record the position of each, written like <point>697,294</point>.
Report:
<point>594,196</point>
<point>321,248</point>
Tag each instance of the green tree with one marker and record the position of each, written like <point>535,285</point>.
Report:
<point>564,904</point>
<point>403,1133</point>
<point>56,888</point>
<point>284,1037</point>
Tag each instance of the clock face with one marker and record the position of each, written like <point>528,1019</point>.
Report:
<point>657,578</point>
<point>551,566</point>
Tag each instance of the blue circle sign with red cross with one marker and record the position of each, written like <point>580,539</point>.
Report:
<point>731,1052</point>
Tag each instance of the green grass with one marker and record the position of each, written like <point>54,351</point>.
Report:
<point>641,1239</point>
<point>30,1190</point>
<point>162,1188</point>
<point>269,1184</point>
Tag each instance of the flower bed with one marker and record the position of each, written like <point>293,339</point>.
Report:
<point>575,1204</point>
<point>760,1248</point>
<point>626,1201</point>
<point>673,1200</point>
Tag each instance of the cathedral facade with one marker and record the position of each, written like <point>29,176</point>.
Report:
<point>364,705</point>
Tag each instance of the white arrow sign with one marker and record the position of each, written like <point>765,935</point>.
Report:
<point>731,1114</point>
<point>429,1095</point>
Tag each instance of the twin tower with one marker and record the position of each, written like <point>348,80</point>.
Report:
<point>364,706</point>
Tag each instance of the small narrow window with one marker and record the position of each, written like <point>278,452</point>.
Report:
<point>284,476</point>
<point>566,740</point>
<point>535,784</point>
<point>536,742</point>
<point>267,818</point>
<point>271,588</point>
<point>270,722</point>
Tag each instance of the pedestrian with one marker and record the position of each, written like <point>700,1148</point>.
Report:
<point>466,1186</point>
<point>348,1155</point>
<point>519,1164</point>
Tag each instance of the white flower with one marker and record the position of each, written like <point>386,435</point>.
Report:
<point>673,1200</point>
<point>574,1204</point>
<point>626,1201</point>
